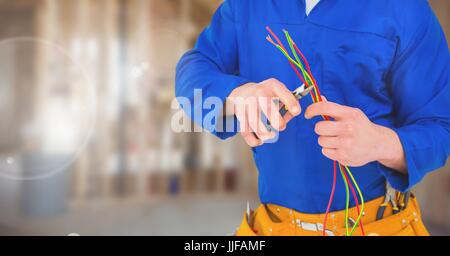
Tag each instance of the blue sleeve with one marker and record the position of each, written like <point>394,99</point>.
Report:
<point>212,70</point>
<point>420,87</point>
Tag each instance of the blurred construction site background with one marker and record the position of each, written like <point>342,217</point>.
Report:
<point>86,146</point>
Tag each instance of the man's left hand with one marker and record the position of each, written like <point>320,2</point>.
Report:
<point>353,140</point>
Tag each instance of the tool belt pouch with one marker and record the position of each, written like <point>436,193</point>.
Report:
<point>245,229</point>
<point>405,223</point>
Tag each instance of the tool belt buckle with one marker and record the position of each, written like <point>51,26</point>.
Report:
<point>315,227</point>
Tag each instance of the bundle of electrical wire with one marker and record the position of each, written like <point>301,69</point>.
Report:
<point>300,65</point>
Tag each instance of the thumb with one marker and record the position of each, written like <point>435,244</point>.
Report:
<point>324,98</point>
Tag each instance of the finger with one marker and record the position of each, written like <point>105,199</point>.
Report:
<point>327,108</point>
<point>328,142</point>
<point>328,128</point>
<point>286,97</point>
<point>330,153</point>
<point>257,126</point>
<point>262,132</point>
<point>246,132</point>
<point>324,99</point>
<point>288,117</point>
<point>271,111</point>
<point>251,139</point>
<point>241,116</point>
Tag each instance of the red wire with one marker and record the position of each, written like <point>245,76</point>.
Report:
<point>282,46</point>
<point>308,68</point>
<point>330,201</point>
<point>277,39</point>
<point>354,197</point>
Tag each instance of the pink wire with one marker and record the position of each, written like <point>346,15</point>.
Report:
<point>330,201</point>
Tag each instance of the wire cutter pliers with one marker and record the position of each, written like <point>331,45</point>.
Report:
<point>404,200</point>
<point>390,197</point>
<point>299,94</point>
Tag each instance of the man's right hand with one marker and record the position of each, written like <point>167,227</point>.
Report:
<point>248,102</point>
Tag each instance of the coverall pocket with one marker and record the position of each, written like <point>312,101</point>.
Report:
<point>349,73</point>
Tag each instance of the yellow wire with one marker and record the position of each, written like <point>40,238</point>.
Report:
<point>347,200</point>
<point>360,196</point>
<point>308,78</point>
<point>291,45</point>
<point>290,41</point>
<point>304,72</point>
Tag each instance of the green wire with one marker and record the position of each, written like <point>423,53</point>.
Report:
<point>347,200</point>
<point>294,62</point>
<point>308,79</point>
<point>299,65</point>
<point>289,57</point>
<point>361,198</point>
<point>291,45</point>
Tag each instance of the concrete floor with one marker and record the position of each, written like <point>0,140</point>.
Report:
<point>200,215</point>
<point>218,215</point>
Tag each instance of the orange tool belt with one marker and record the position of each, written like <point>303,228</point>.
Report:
<point>273,220</point>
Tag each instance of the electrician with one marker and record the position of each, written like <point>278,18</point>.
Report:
<point>383,66</point>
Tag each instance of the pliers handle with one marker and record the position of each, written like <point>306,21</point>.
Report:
<point>390,197</point>
<point>382,208</point>
<point>404,200</point>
